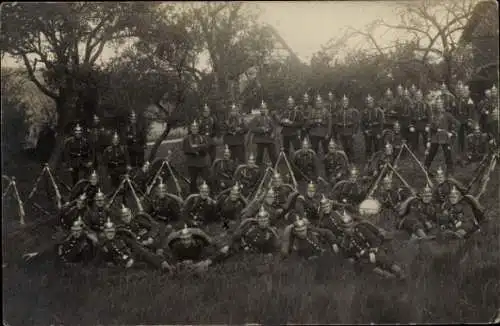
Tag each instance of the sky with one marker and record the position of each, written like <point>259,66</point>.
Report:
<point>307,25</point>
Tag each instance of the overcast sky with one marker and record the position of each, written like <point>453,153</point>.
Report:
<point>308,25</point>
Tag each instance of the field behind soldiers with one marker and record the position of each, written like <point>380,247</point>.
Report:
<point>251,289</point>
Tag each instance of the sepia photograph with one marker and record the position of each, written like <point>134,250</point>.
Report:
<point>250,162</point>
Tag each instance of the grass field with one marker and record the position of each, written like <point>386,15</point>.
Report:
<point>251,289</point>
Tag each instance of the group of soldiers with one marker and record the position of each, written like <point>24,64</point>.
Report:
<point>261,212</point>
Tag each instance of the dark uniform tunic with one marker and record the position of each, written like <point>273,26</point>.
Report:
<point>305,161</point>
<point>222,174</point>
<point>336,166</point>
<point>196,149</point>
<point>209,128</point>
<point>116,159</point>
<point>465,113</point>
<point>318,126</point>
<point>235,130</point>
<point>78,154</point>
<point>372,122</point>
<point>346,122</point>
<point>291,131</point>
<point>263,128</point>
<point>421,115</point>
<point>441,124</point>
<point>198,211</point>
<point>75,249</point>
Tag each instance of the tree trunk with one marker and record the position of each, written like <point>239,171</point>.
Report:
<point>158,141</point>
<point>62,120</point>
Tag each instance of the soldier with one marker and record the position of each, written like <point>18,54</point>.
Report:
<point>199,209</point>
<point>292,123</point>
<point>142,176</point>
<point>448,97</point>
<point>264,129</point>
<point>123,252</point>
<point>282,191</point>
<point>229,208</point>
<point>372,122</point>
<point>390,200</point>
<point>78,154</point>
<point>464,112</point>
<point>306,240</point>
<point>389,107</point>
<point>268,201</point>
<point>444,185</point>
<point>248,175</point>
<point>208,126</point>
<point>135,145</point>
<point>457,214</point>
<point>88,187</point>
<point>78,247</point>
<point>405,113</point>
<point>347,123</point>
<point>413,91</point>
<point>95,139</point>
<point>477,145</point>
<point>332,108</point>
<point>166,207</point>
<point>305,162</point>
<point>192,247</point>
<point>379,160</point>
<point>308,205</point>
<point>442,129</point>
<point>255,235</point>
<point>395,138</point>
<point>306,108</point>
<point>141,226</point>
<point>418,214</point>
<point>235,129</point>
<point>336,163</point>
<point>319,125</point>
<point>487,107</point>
<point>350,192</point>
<point>362,243</point>
<point>421,115</point>
<point>223,171</point>
<point>70,212</point>
<point>195,147</point>
<point>98,214</point>
<point>117,160</point>
<point>330,220</point>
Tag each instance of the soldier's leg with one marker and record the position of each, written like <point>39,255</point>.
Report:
<point>271,151</point>
<point>75,175</point>
<point>212,152</point>
<point>286,144</point>
<point>448,158</point>
<point>430,156</point>
<point>296,143</point>
<point>368,146</point>
<point>260,154</point>
<point>315,144</point>
<point>193,176</point>
<point>324,144</point>
<point>461,137</point>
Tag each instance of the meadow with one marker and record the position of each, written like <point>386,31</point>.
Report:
<point>251,289</point>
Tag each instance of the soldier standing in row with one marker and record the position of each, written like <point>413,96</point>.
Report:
<point>373,123</point>
<point>292,122</point>
<point>78,154</point>
<point>389,107</point>
<point>196,148</point>
<point>332,108</point>
<point>235,130</point>
<point>208,126</point>
<point>135,146</point>
<point>464,112</point>
<point>346,122</point>
<point>442,128</point>
<point>319,126</point>
<point>405,113</point>
<point>264,130</point>
<point>117,161</point>
<point>420,118</point>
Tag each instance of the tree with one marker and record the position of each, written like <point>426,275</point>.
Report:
<point>67,39</point>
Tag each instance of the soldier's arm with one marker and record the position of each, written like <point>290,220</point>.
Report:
<point>186,146</point>
<point>330,124</point>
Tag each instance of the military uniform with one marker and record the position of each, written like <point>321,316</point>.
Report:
<point>209,127</point>
<point>196,148</point>
<point>117,160</point>
<point>166,209</point>
<point>249,176</point>
<point>292,123</point>
<point>222,173</point>
<point>78,155</point>
<point>198,211</point>
<point>441,126</point>
<point>318,126</point>
<point>456,217</point>
<point>336,164</point>
<point>477,145</point>
<point>229,208</point>
<point>77,247</point>
<point>306,162</point>
<point>255,235</point>
<point>264,129</point>
<point>421,115</point>
<point>464,112</point>
<point>235,130</point>
<point>372,122</point>
<point>389,106</point>
<point>135,147</point>
<point>97,217</point>
<point>347,122</point>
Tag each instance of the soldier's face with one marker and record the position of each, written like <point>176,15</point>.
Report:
<point>427,198</point>
<point>227,155</point>
<point>397,129</point>
<point>327,208</point>
<point>76,233</point>
<point>305,145</point>
<point>440,178</point>
<point>133,119</point>
<point>388,96</point>
<point>419,97</point>
<point>269,199</point>
<point>345,103</point>
<point>80,203</point>
<point>127,218</point>
<point>234,112</point>
<point>311,192</point>
<point>369,104</point>
<point>206,112</point>
<point>161,193</point>
<point>187,241</point>
<point>109,234</point>
<point>234,196</point>
<point>263,222</point>
<point>494,93</point>
<point>353,177</point>
<point>290,105</point>
<point>277,181</point>
<point>388,151</point>
<point>204,194</point>
<point>78,134</point>
<point>99,202</point>
<point>453,199</point>
<point>387,185</point>
<point>331,149</point>
<point>477,131</point>
<point>263,111</point>
<point>194,130</point>
<point>93,180</point>
<point>115,141</point>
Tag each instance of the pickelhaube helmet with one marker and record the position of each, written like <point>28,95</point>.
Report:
<point>234,107</point>
<point>440,173</point>
<point>251,158</point>
<point>146,165</point>
<point>354,171</point>
<point>161,187</point>
<point>494,90</point>
<point>397,125</point>
<point>206,107</point>
<point>305,143</point>
<point>290,100</point>
<point>419,93</point>
<point>109,226</point>
<point>369,99</point>
<point>262,212</point>
<point>78,129</point>
<point>311,186</point>
<point>388,92</point>
<point>388,148</point>
<point>346,219</point>
<point>319,100</point>
<point>227,152</point>
<point>413,88</point>
<point>204,187</point>
<point>477,127</point>
<point>185,233</point>
<point>263,105</point>
<point>95,119</point>
<point>277,176</point>
<point>332,144</point>
<point>406,92</point>
<point>124,211</point>
<point>236,188</point>
<point>345,98</point>
<point>77,224</point>
<point>299,225</point>
<point>194,124</point>
<point>82,197</point>
<point>99,195</point>
<point>400,88</point>
<point>306,98</point>
<point>330,95</point>
<point>115,138</point>
<point>387,179</point>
